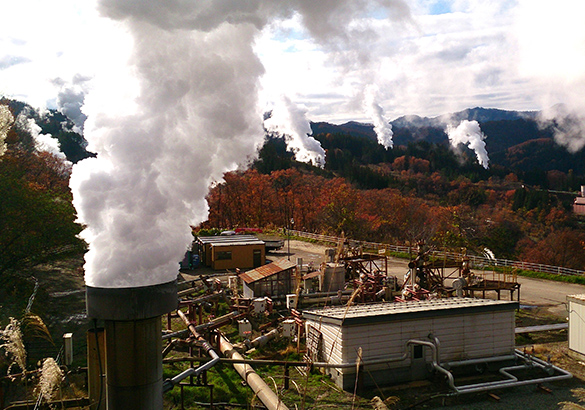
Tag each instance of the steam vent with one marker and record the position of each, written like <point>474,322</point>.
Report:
<point>133,347</point>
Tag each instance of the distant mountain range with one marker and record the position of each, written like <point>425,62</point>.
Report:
<point>514,139</point>
<point>413,127</point>
<point>517,140</point>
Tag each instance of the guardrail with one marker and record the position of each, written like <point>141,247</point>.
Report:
<point>477,261</point>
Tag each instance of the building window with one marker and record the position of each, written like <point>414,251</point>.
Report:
<point>417,352</point>
<point>224,256</point>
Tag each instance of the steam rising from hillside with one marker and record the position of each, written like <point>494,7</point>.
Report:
<point>382,127</point>
<point>469,133</point>
<point>568,126</point>
<point>6,121</point>
<point>187,113</point>
<point>43,142</point>
<point>291,121</point>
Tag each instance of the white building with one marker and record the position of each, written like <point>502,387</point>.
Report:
<point>576,307</point>
<point>388,334</point>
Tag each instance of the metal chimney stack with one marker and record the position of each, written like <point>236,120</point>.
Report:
<point>133,342</point>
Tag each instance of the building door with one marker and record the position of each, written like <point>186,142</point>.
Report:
<point>257,258</point>
<point>419,369</point>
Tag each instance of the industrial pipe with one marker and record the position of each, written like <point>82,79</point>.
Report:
<point>512,380</point>
<point>133,344</point>
<point>264,393</point>
<point>203,326</point>
<point>262,340</point>
<point>170,383</point>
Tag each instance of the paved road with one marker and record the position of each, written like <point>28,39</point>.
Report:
<point>550,296</point>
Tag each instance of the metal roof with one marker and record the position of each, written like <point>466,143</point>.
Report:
<point>266,271</point>
<point>576,298</point>
<point>390,311</point>
<point>230,240</point>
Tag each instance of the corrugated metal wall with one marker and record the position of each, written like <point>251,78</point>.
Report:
<point>465,336</point>
<point>576,305</point>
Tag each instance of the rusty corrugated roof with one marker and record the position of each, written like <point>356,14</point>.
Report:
<point>266,271</point>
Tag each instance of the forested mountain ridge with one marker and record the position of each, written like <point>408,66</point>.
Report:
<point>507,133</point>
<point>422,189</point>
<point>52,122</point>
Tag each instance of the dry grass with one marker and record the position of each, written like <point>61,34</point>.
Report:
<point>13,345</point>
<point>50,380</point>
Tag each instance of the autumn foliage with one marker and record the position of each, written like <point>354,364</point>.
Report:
<point>449,214</point>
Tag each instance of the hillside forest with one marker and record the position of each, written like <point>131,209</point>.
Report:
<point>420,190</point>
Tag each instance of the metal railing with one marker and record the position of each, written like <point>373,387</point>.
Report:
<point>478,261</point>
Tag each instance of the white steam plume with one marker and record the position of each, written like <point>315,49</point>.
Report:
<point>6,121</point>
<point>382,127</point>
<point>568,126</point>
<point>71,98</point>
<point>175,117</point>
<point>560,80</point>
<point>469,133</point>
<point>195,118</point>
<point>43,142</point>
<point>290,120</point>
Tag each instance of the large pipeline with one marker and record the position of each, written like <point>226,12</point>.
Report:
<point>264,393</point>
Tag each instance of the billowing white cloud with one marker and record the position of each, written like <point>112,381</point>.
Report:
<point>180,110</point>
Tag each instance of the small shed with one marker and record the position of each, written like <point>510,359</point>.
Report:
<point>576,307</point>
<point>231,251</point>
<point>465,329</point>
<point>274,279</point>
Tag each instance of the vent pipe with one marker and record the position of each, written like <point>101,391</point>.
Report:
<point>133,342</point>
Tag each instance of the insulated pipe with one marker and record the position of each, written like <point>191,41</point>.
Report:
<point>199,328</point>
<point>480,387</point>
<point>264,393</point>
<point>513,380</point>
<point>262,340</point>
<point>470,362</point>
<point>170,383</point>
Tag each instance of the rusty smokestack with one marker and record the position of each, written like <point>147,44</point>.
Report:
<point>133,343</point>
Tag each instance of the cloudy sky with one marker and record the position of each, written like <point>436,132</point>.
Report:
<point>432,57</point>
<point>174,91</point>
